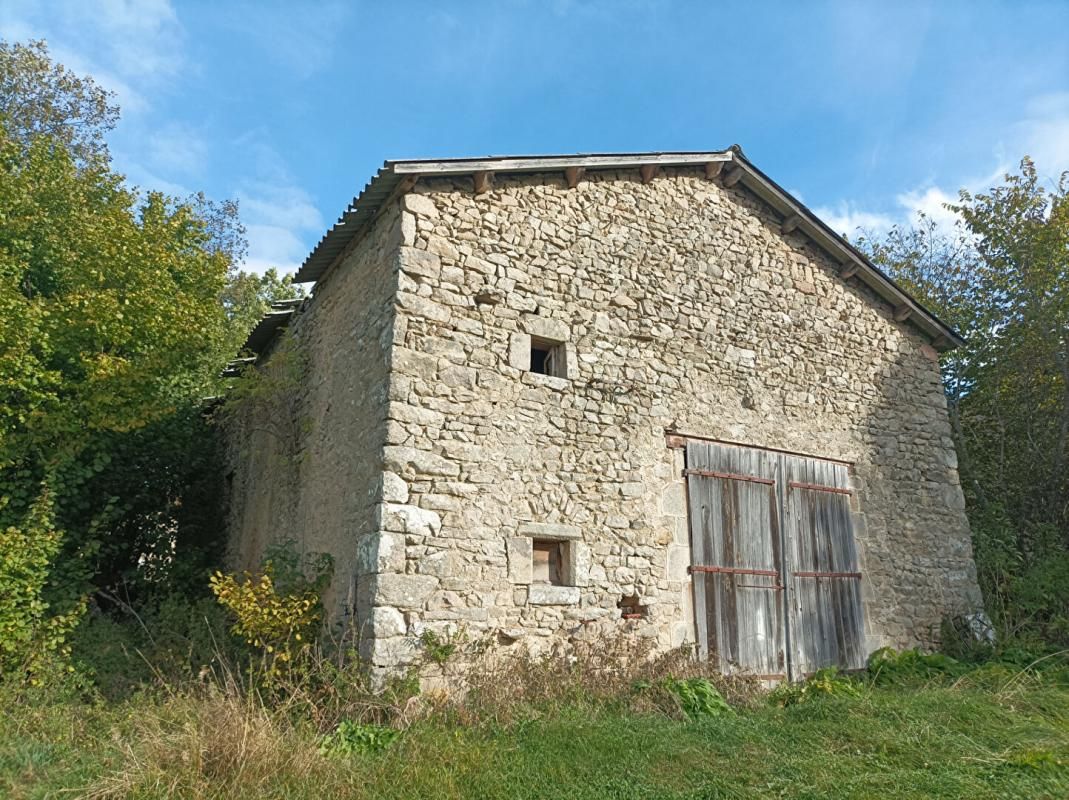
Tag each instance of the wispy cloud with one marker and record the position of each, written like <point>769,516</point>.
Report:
<point>1043,134</point>
<point>279,214</point>
<point>130,48</point>
<point>304,42</point>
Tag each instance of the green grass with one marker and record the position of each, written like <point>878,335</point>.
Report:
<point>938,740</point>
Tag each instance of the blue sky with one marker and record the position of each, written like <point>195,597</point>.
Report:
<point>866,111</point>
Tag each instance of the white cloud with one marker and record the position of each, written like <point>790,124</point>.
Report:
<point>177,147</point>
<point>279,220</point>
<point>279,215</point>
<point>129,46</point>
<point>1044,133</point>
<point>848,220</point>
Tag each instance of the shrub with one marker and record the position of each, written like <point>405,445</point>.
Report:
<point>277,611</point>
<point>351,738</point>
<point>697,697</point>
<point>827,682</point>
<point>887,665</point>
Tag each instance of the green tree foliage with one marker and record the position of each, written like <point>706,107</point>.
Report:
<point>114,336</point>
<point>1002,279</point>
<point>119,310</point>
<point>42,99</point>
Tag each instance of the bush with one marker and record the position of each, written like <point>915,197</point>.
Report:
<point>827,682</point>
<point>278,610</point>
<point>886,665</point>
<point>351,738</point>
<point>697,697</point>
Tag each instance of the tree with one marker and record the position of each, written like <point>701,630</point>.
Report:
<point>1002,279</point>
<point>115,330</point>
<point>39,98</point>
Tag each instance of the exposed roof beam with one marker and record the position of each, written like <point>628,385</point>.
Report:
<point>903,312</point>
<point>483,180</point>
<point>712,168</point>
<point>573,175</point>
<point>733,176</point>
<point>789,224</point>
<point>849,270</point>
<point>647,171</point>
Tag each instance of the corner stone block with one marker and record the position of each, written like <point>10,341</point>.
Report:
<point>408,461</point>
<point>403,591</point>
<point>411,519</point>
<point>387,622</point>
<point>520,554</point>
<point>420,205</point>
<point>380,551</point>
<point>420,262</point>
<point>394,652</point>
<point>394,488</point>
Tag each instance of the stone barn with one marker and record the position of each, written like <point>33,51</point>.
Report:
<point>639,395</point>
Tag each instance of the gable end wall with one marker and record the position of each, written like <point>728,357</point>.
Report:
<point>684,309</point>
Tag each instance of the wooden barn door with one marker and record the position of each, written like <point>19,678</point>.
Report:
<point>824,579</point>
<point>756,516</point>
<point>736,541</point>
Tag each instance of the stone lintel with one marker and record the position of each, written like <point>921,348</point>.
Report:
<point>547,595</point>
<point>549,530</point>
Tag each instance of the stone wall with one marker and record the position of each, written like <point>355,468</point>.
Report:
<point>681,307</point>
<point>306,462</point>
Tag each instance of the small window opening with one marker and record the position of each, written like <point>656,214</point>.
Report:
<point>548,562</point>
<point>630,607</point>
<point>547,358</point>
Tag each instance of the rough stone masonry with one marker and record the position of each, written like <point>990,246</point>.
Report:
<point>491,367</point>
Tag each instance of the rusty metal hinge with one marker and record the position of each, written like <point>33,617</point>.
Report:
<point>733,570</point>
<point>817,487</point>
<point>730,476</point>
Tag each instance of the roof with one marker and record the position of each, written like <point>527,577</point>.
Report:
<point>277,317</point>
<point>399,176</point>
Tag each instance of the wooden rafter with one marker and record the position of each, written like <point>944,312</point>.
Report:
<point>483,180</point>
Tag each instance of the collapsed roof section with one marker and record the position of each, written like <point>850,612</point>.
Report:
<point>277,317</point>
<point>729,166</point>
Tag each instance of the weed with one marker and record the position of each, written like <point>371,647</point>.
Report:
<point>827,682</point>
<point>697,697</point>
<point>440,647</point>
<point>356,738</point>
<point>888,666</point>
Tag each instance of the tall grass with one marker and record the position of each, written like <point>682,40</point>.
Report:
<point>600,724</point>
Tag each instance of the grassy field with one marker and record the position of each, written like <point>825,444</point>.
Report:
<point>993,733</point>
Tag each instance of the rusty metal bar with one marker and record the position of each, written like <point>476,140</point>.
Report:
<point>733,570</point>
<point>816,487</point>
<point>826,574</point>
<point>731,476</point>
